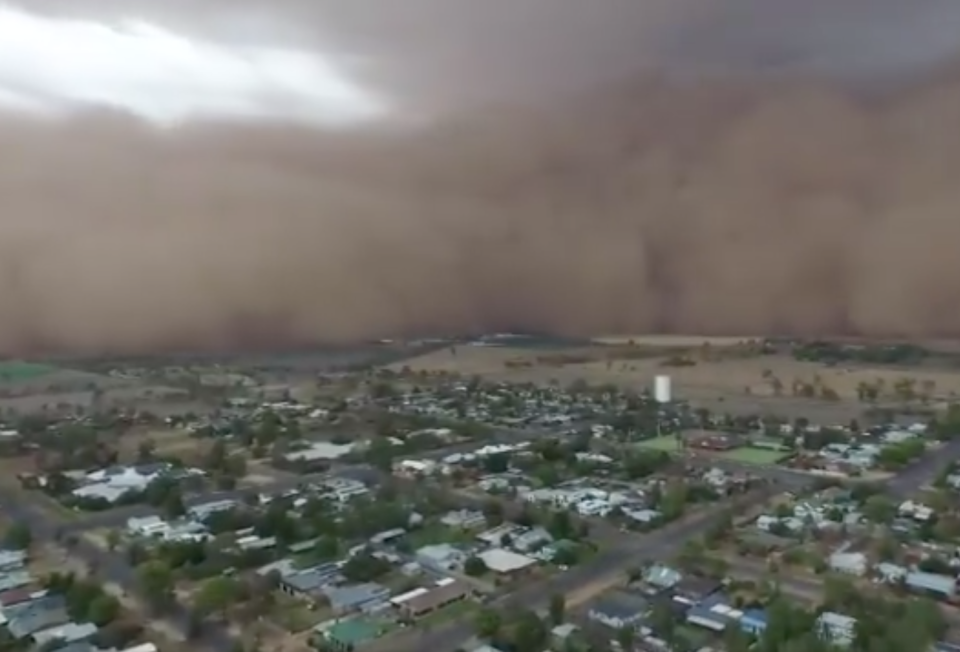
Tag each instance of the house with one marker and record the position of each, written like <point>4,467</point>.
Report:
<point>693,590</point>
<point>203,511</point>
<point>754,621</point>
<point>12,560</point>
<point>714,613</point>
<point>661,578</point>
<point>563,634</point>
<point>618,610</point>
<point>442,557</point>
<point>464,519</point>
<point>357,597</point>
<point>310,581</point>
<point>67,633</point>
<point>531,539</point>
<point>343,490</point>
<point>112,483</point>
<point>836,628</point>
<point>415,468</point>
<point>20,595</point>
<point>385,537</point>
<point>939,586</point>
<point>26,619</point>
<point>318,452</point>
<point>147,526</point>
<point>347,635</point>
<point>506,562</point>
<point>848,563</point>
<point>494,536</point>
<point>15,579</point>
<point>421,601</point>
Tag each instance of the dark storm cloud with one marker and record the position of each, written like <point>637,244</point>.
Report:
<point>577,167</point>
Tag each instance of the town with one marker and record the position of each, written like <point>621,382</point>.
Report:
<point>489,495</point>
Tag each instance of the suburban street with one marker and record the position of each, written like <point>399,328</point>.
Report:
<point>604,569</point>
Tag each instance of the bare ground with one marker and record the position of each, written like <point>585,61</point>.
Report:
<point>745,381</point>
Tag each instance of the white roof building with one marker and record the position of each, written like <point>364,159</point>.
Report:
<point>504,561</point>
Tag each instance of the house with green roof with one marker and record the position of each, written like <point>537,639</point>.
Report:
<point>346,635</point>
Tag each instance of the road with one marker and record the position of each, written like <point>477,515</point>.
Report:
<point>925,470</point>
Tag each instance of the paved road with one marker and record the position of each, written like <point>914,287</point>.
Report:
<point>925,470</point>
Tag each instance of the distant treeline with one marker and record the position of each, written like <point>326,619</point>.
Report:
<point>887,354</point>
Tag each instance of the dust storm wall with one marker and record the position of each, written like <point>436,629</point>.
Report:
<point>687,166</point>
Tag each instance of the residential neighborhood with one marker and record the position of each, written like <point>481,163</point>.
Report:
<point>391,509</point>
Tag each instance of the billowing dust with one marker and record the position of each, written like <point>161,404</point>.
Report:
<point>788,202</point>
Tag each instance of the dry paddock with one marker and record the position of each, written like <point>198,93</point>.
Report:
<point>717,378</point>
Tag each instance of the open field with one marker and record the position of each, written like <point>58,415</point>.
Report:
<point>667,443</point>
<point>703,376</point>
<point>672,340</point>
<point>758,456</point>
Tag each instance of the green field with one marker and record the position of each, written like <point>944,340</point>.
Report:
<point>18,371</point>
<point>666,443</point>
<point>755,455</point>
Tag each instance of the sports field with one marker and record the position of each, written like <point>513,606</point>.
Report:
<point>19,371</point>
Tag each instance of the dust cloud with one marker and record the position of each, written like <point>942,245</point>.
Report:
<point>691,166</point>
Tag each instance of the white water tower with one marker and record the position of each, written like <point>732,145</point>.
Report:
<point>661,389</point>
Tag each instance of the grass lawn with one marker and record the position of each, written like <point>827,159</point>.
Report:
<point>16,371</point>
<point>695,637</point>
<point>296,616</point>
<point>462,610</point>
<point>433,533</point>
<point>666,443</point>
<point>754,455</point>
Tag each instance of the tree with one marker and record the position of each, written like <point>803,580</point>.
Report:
<point>173,506</point>
<point>102,610</point>
<point>474,567</point>
<point>216,595</point>
<point>558,609</point>
<point>19,536</point>
<point>493,512</point>
<point>487,623</point>
<point>145,451</point>
<point>529,634</point>
<point>113,539</point>
<point>625,637</point>
<point>155,579</point>
<point>879,509</point>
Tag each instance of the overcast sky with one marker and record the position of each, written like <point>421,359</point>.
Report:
<point>330,59</point>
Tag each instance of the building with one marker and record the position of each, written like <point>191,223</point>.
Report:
<point>68,633</point>
<point>942,587</point>
<point>356,597</point>
<point>836,628</point>
<point>347,635</point>
<point>464,519</point>
<point>421,601</point>
<point>441,557</point>
<point>310,581</point>
<point>343,490</point>
<point>617,610</point>
<point>661,578</point>
<point>714,613</point>
<point>754,621</point>
<point>318,452</point>
<point>849,563</point>
<point>506,562</point>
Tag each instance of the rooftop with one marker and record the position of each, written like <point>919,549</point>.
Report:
<point>354,631</point>
<point>504,561</point>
